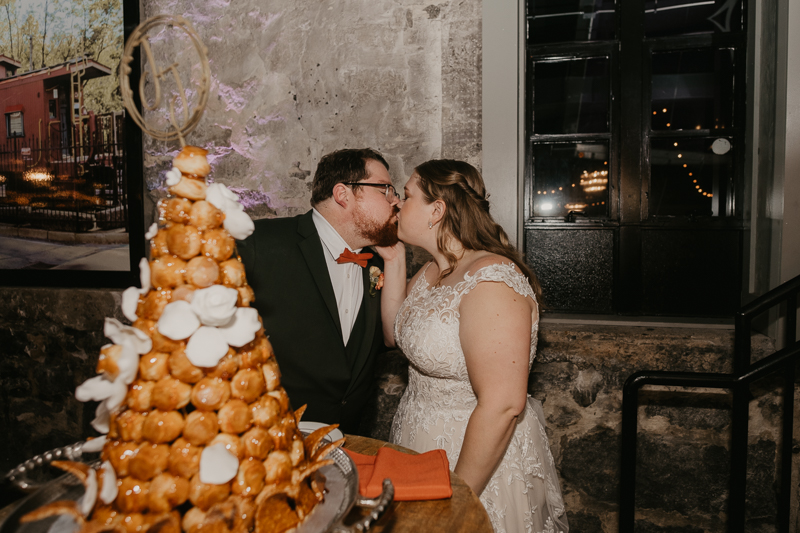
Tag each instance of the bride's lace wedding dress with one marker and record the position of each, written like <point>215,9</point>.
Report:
<point>523,494</point>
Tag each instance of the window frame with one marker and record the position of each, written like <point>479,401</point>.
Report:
<point>14,135</point>
<point>630,91</point>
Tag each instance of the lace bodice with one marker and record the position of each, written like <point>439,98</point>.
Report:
<point>427,331</point>
<point>439,401</point>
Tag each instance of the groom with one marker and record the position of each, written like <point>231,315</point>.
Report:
<point>312,285</point>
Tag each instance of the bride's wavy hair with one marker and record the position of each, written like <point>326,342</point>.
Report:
<point>460,186</point>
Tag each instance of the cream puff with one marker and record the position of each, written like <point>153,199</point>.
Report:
<point>204,216</point>
<point>162,426</point>
<point>202,272</point>
<point>184,458</point>
<point>201,427</point>
<point>170,394</point>
<point>167,272</point>
<point>184,240</point>
<point>192,160</point>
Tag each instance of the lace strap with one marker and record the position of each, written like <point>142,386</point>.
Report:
<point>500,272</point>
<point>421,282</point>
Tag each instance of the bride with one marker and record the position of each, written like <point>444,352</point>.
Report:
<point>468,323</point>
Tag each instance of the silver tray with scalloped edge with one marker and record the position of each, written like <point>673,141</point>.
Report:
<point>341,494</point>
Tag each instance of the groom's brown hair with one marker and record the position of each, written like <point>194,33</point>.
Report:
<point>341,166</point>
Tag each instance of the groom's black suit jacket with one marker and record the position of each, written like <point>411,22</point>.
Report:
<point>285,265</point>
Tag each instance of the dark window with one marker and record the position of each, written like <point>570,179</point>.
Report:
<point>14,126</point>
<point>634,121</point>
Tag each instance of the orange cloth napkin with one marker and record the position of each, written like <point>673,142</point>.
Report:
<point>415,477</point>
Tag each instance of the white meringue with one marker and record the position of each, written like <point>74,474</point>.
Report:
<point>217,465</point>
<point>144,275</point>
<point>239,224</point>
<point>173,176</point>
<point>102,418</point>
<point>242,329</point>
<point>127,336</point>
<point>95,389</point>
<point>109,491</point>
<point>89,497</point>
<point>223,198</point>
<point>94,445</point>
<point>152,231</point>
<point>178,321</point>
<point>130,301</point>
<point>215,305</point>
<point>206,347</point>
<point>128,364</point>
<point>120,390</point>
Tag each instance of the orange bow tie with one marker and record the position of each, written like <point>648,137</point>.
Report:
<point>349,257</point>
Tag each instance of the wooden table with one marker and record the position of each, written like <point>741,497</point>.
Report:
<point>463,512</point>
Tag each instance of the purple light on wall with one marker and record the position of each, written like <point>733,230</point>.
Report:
<point>250,198</point>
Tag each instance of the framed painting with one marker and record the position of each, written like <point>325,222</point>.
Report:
<point>71,212</point>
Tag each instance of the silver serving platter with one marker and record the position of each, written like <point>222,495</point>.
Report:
<point>341,494</point>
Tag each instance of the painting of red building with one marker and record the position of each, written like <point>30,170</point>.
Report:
<point>60,163</point>
<point>47,103</point>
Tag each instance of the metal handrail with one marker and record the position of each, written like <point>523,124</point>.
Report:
<point>745,373</point>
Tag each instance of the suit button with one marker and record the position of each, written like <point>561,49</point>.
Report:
<point>344,402</point>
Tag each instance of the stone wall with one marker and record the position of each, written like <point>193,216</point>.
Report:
<point>292,81</point>
<point>50,339</point>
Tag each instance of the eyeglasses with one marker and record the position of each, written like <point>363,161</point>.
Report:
<point>390,191</point>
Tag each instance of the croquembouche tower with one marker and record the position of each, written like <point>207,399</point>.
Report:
<point>199,435</point>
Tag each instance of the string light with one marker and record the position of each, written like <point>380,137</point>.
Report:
<point>594,181</point>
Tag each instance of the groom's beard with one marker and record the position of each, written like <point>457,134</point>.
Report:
<point>376,233</point>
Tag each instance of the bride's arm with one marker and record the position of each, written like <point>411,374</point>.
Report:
<point>495,334</point>
<point>394,287</point>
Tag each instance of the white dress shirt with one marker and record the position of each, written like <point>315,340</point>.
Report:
<point>347,280</point>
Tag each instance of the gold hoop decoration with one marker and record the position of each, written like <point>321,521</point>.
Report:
<point>139,38</point>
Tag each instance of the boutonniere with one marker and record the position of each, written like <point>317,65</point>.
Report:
<point>375,280</point>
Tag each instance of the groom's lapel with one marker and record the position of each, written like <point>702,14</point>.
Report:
<point>311,247</point>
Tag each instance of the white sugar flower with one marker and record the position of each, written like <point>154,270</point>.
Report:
<point>206,347</point>
<point>94,389</point>
<point>102,418</point>
<point>144,274</point>
<point>215,305</point>
<point>128,364</point>
<point>173,176</point>
<point>239,224</point>
<point>152,231</point>
<point>117,396</point>
<point>127,336</point>
<point>94,445</point>
<point>242,329</point>
<point>223,198</point>
<point>87,501</point>
<point>178,321</point>
<point>108,493</point>
<point>130,302</point>
<point>130,296</point>
<point>217,465</point>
